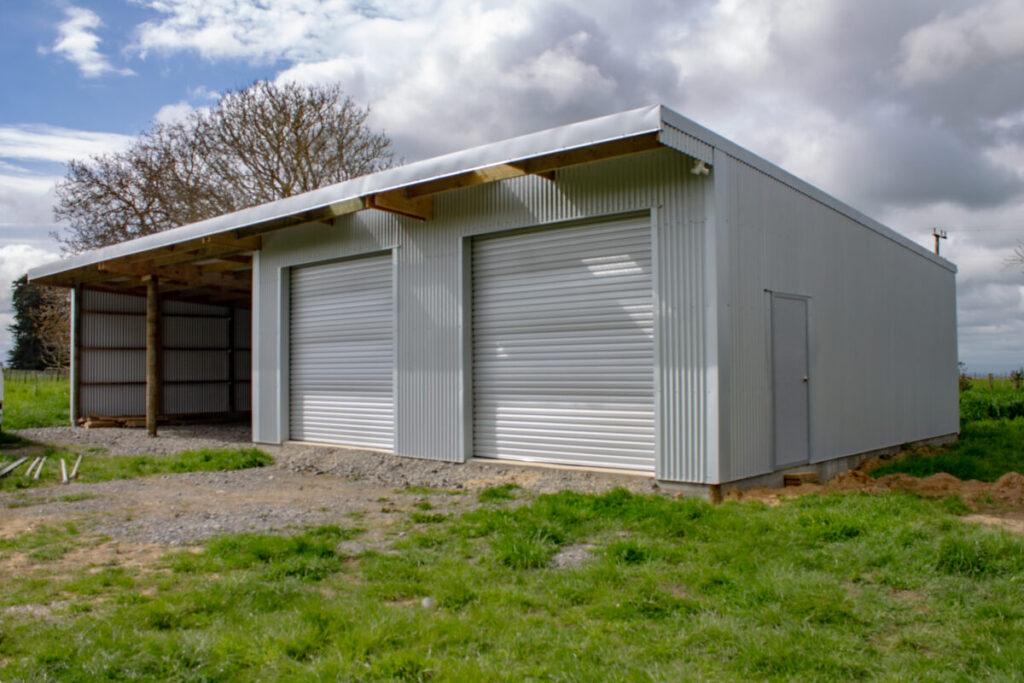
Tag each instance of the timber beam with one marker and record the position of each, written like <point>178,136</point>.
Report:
<point>396,201</point>
<point>184,273</point>
<point>210,262</point>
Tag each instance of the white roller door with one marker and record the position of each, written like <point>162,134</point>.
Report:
<point>563,348</point>
<point>341,376</point>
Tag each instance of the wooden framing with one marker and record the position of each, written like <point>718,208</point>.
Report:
<point>76,354</point>
<point>154,355</point>
<point>420,208</point>
<point>217,268</point>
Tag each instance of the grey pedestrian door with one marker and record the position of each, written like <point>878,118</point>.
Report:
<point>563,354</point>
<point>341,373</point>
<point>790,379</point>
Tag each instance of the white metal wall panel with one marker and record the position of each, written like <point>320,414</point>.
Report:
<point>432,398</point>
<point>563,350</point>
<point>341,352</point>
<point>882,325</point>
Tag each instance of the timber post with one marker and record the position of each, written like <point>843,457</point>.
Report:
<point>154,379</point>
<point>76,353</point>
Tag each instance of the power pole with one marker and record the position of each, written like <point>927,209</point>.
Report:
<point>939,235</point>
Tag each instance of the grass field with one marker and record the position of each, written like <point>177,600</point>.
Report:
<point>820,588</point>
<point>98,466</point>
<point>35,403</point>
<point>838,587</point>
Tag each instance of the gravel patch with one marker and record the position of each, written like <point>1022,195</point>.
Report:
<point>308,485</point>
<point>138,442</point>
<point>386,470</point>
<point>573,556</point>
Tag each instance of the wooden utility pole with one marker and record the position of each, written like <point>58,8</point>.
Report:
<point>939,235</point>
<point>154,379</point>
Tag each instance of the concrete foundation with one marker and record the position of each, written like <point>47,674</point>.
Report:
<point>826,470</point>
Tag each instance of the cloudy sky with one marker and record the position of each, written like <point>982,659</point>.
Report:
<point>911,111</point>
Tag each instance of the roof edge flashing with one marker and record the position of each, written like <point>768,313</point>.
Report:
<point>628,124</point>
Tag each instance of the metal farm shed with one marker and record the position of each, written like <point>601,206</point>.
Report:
<point>632,292</point>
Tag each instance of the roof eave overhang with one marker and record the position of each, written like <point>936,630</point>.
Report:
<point>214,256</point>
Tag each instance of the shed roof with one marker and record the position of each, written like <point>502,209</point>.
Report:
<point>213,257</point>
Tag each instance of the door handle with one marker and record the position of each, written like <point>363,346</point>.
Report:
<point>805,378</point>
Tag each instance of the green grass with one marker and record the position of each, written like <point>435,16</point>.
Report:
<point>986,450</point>
<point>36,403</point>
<point>981,403</point>
<point>991,439</point>
<point>496,494</point>
<point>841,587</point>
<point>100,467</point>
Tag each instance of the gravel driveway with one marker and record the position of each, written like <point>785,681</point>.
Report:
<point>307,485</point>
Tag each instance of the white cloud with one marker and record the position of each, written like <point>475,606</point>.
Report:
<point>55,144</point>
<point>911,111</point>
<point>78,43</point>
<point>992,31</point>
<point>16,260</point>
<point>173,113</point>
<point>237,29</point>
<point>27,188</point>
<point>26,200</point>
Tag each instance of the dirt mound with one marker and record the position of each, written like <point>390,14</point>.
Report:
<point>1008,490</point>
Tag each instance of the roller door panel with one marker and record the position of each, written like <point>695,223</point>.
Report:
<point>341,374</point>
<point>563,350</point>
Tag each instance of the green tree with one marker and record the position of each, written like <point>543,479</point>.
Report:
<point>27,352</point>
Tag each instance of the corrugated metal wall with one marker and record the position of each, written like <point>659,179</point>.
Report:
<point>431,296</point>
<point>882,325</point>
<point>199,343</point>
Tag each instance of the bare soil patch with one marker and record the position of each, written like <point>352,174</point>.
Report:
<point>1000,500</point>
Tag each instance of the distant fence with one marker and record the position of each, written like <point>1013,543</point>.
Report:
<point>53,375</point>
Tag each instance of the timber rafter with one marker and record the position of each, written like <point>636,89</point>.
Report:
<point>218,267</point>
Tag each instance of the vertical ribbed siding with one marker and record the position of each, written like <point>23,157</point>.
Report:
<point>682,361</point>
<point>195,359</point>
<point>685,143</point>
<point>363,233</point>
<point>881,326</point>
<point>430,398</point>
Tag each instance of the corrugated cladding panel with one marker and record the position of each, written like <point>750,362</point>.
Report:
<point>172,307</point>
<point>120,399</point>
<point>195,351</point>
<point>196,333</point>
<point>243,365</point>
<point>114,341</point>
<point>680,348</point>
<point>429,294</point>
<point>113,303</point>
<point>243,396</point>
<point>243,328</point>
<point>881,323</point>
<point>685,143</point>
<point>102,365</point>
<point>112,330</point>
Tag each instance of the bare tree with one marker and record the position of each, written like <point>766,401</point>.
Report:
<point>52,318</point>
<point>1017,259</point>
<point>256,145</point>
